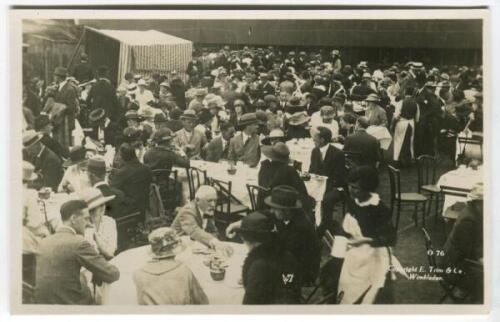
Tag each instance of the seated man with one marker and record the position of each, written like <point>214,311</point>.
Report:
<point>327,160</point>
<point>47,164</point>
<point>62,256</point>
<point>134,179</point>
<point>196,219</point>
<point>245,146</point>
<point>465,243</point>
<point>163,155</point>
<point>218,148</point>
<point>188,139</point>
<point>165,280</point>
<point>364,143</point>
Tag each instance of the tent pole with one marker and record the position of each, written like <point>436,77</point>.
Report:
<point>76,49</point>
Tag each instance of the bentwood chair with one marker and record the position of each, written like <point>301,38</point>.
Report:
<point>196,178</point>
<point>228,208</point>
<point>426,169</point>
<point>399,198</point>
<point>253,192</point>
<point>167,183</point>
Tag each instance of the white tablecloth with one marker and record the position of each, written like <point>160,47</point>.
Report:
<point>381,133</point>
<point>462,177</point>
<point>228,291</point>
<point>315,187</point>
<point>300,150</point>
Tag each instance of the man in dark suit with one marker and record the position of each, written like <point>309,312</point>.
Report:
<point>218,148</point>
<point>62,256</point>
<point>363,143</point>
<point>96,171</point>
<point>245,146</point>
<point>134,179</point>
<point>66,94</point>
<point>104,130</point>
<point>44,126</point>
<point>83,71</point>
<point>327,160</point>
<point>163,155</point>
<point>103,95</point>
<point>47,164</point>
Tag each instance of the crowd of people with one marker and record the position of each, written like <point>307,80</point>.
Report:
<point>239,106</point>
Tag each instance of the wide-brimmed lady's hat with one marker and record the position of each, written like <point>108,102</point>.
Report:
<point>257,222</point>
<point>29,172</point>
<point>164,243</point>
<point>77,154</point>
<point>298,118</point>
<point>277,152</point>
<point>283,197</point>
<point>94,198</point>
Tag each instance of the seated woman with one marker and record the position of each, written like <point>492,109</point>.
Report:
<point>368,227</point>
<point>269,271</point>
<point>165,280</point>
<point>276,171</point>
<point>103,234</point>
<point>75,178</point>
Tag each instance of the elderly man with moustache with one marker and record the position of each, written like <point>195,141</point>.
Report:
<point>196,219</point>
<point>62,256</point>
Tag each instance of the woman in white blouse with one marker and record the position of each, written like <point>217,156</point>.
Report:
<point>102,235</point>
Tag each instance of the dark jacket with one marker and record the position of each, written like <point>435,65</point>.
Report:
<point>333,167</point>
<point>68,96</point>
<point>83,72</point>
<point>134,179</point>
<point>272,174</point>
<point>365,144</point>
<point>214,151</point>
<point>270,276</point>
<point>54,146</point>
<point>162,157</point>
<point>58,265</point>
<point>114,208</point>
<point>112,134</point>
<point>300,239</point>
<point>103,95</point>
<point>49,166</point>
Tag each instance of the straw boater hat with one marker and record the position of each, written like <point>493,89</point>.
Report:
<point>274,134</point>
<point>298,118</point>
<point>164,243</point>
<point>283,197</point>
<point>77,155</point>
<point>372,98</point>
<point>29,172</point>
<point>30,138</point>
<point>94,198</point>
<point>96,165</point>
<point>97,115</point>
<point>189,115</point>
<point>277,152</point>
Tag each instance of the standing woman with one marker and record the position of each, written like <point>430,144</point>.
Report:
<point>405,117</point>
<point>370,233</point>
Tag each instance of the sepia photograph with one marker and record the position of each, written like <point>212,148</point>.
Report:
<point>261,159</point>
